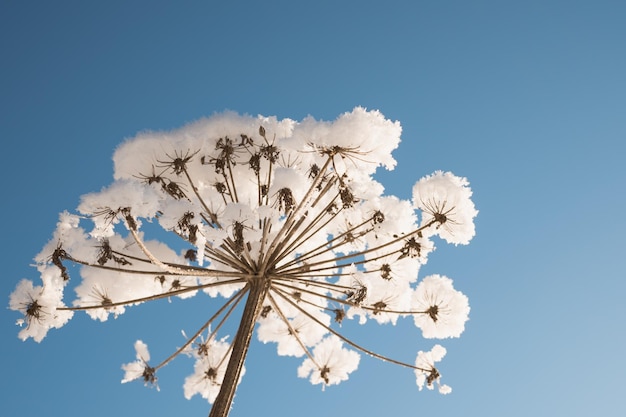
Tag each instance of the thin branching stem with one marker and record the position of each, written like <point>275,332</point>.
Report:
<point>234,300</point>
<point>154,259</point>
<point>317,294</point>
<point>311,303</point>
<point>311,230</point>
<point>232,179</point>
<point>347,302</point>
<point>155,296</point>
<point>293,332</point>
<point>307,282</point>
<point>224,257</point>
<point>292,215</point>
<point>328,245</point>
<point>189,270</point>
<point>359,253</point>
<point>227,256</point>
<point>354,258</point>
<point>282,251</point>
<point>226,354</point>
<point>213,216</point>
<point>287,298</point>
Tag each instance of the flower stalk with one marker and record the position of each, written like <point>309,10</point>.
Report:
<point>257,290</point>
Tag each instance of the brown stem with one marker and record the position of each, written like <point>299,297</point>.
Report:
<point>344,338</point>
<point>258,288</point>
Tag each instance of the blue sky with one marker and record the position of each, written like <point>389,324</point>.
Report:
<point>525,99</point>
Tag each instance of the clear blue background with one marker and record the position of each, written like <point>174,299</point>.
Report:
<point>525,98</point>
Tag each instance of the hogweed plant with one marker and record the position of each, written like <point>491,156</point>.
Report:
<point>281,217</point>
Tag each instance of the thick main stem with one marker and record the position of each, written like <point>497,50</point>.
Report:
<point>258,288</point>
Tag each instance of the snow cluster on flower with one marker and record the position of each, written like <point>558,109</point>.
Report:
<point>209,369</point>
<point>140,368</point>
<point>282,210</point>
<point>446,309</point>
<point>330,363</point>
<point>39,304</point>
<point>446,200</point>
<point>425,371</point>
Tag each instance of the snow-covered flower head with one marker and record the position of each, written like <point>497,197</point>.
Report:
<point>426,373</point>
<point>278,219</point>
<point>209,368</point>
<point>140,368</point>
<point>443,309</point>
<point>39,305</point>
<point>445,200</point>
<point>363,139</point>
<point>330,363</point>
